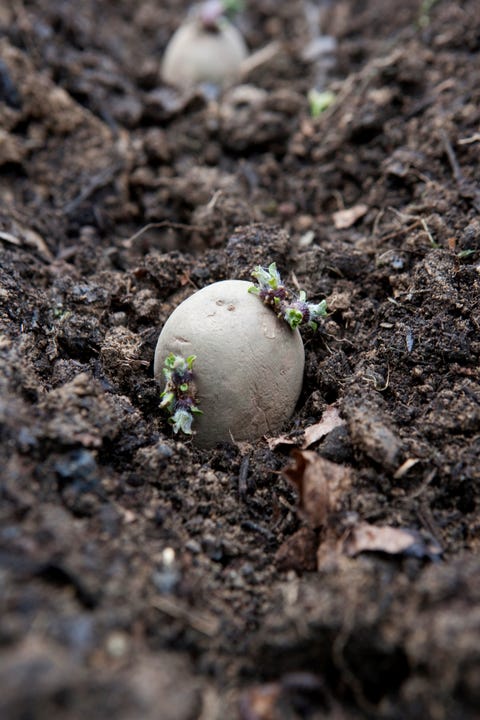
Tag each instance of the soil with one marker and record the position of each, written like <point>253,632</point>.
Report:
<point>331,572</point>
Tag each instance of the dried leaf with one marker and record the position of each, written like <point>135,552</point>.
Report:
<point>393,541</point>
<point>343,219</point>
<point>298,552</point>
<point>321,485</point>
<point>330,420</point>
<point>329,555</point>
<point>282,440</point>
<point>25,237</point>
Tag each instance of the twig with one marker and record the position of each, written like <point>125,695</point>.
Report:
<point>433,242</point>
<point>417,221</point>
<point>101,180</point>
<point>421,488</point>
<point>452,159</point>
<point>469,140</point>
<point>400,231</point>
<point>242,478</point>
<point>255,527</point>
<point>467,189</point>
<point>161,224</point>
<point>425,516</point>
<point>204,623</point>
<point>260,57</point>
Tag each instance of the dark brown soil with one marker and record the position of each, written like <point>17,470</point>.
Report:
<point>141,577</point>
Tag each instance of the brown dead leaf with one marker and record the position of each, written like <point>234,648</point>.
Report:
<point>26,237</point>
<point>298,552</point>
<point>343,219</point>
<point>321,485</point>
<point>330,420</point>
<point>393,541</point>
<point>274,442</point>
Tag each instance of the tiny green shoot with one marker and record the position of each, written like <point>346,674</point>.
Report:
<point>320,101</point>
<point>423,19</point>
<point>463,254</point>
<point>296,311</point>
<point>179,395</point>
<point>232,7</point>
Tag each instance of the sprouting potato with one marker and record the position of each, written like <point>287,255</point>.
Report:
<point>206,48</point>
<point>248,364</point>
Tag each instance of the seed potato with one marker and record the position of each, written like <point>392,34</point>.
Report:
<point>249,364</point>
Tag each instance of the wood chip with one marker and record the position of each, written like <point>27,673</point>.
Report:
<point>405,467</point>
<point>321,485</point>
<point>343,219</point>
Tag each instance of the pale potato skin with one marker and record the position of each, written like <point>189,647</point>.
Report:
<point>249,366</point>
<point>194,55</point>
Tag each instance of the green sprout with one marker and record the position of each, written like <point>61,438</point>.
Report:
<point>273,293</point>
<point>423,19</point>
<point>319,101</point>
<point>179,395</point>
<point>266,278</point>
<point>232,7</point>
